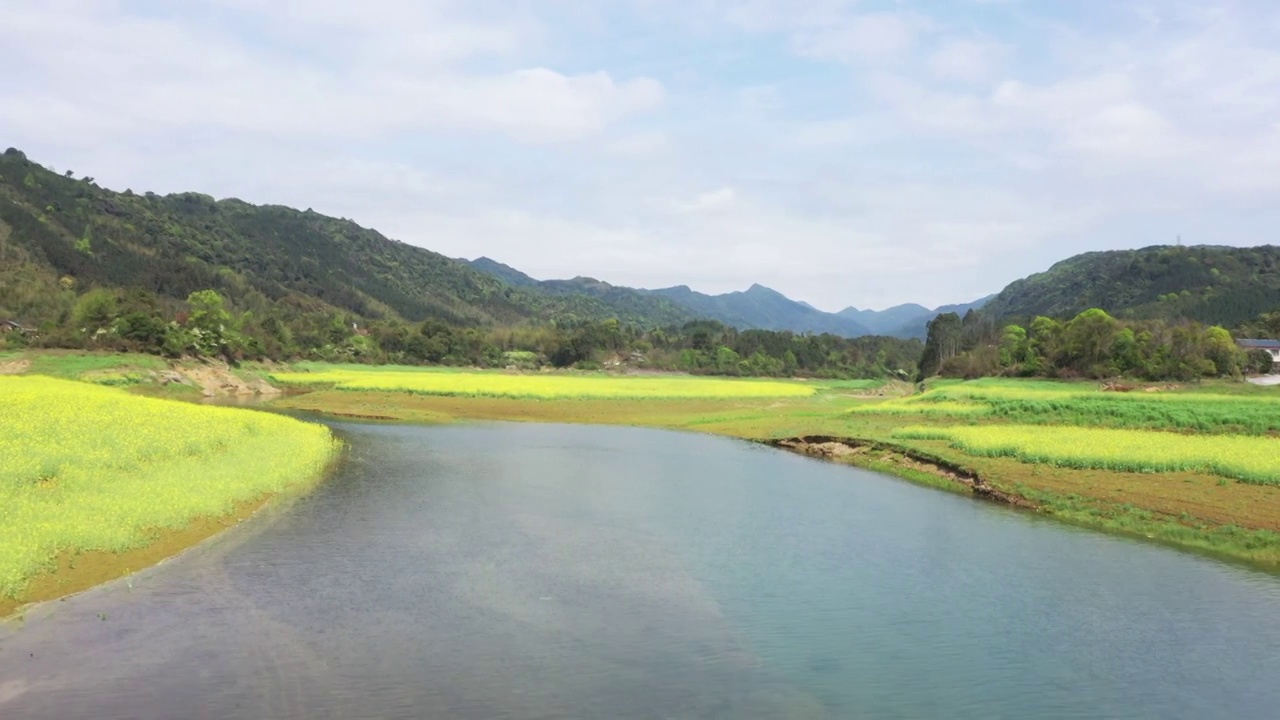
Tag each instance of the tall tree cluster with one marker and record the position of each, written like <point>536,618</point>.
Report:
<point>1092,344</point>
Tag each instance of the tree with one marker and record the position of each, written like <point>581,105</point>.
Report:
<point>941,344</point>
<point>95,310</point>
<point>1046,341</point>
<point>1087,341</point>
<point>727,361</point>
<point>1015,347</point>
<point>208,322</point>
<point>1126,352</point>
<point>1221,349</point>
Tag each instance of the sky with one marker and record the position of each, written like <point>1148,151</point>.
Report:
<point>842,152</point>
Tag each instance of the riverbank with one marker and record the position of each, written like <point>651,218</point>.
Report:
<point>96,482</point>
<point>71,572</point>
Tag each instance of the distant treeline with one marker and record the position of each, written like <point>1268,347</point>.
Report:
<point>1092,344</point>
<point>206,326</point>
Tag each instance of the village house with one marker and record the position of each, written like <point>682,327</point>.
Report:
<point>1272,347</point>
<point>8,326</point>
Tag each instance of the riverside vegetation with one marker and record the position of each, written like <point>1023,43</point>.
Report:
<point>89,473</point>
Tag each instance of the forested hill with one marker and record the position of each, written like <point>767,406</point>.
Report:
<point>1212,284</point>
<point>57,230</point>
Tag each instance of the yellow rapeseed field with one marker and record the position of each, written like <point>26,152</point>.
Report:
<point>1251,459</point>
<point>84,467</point>
<point>545,386</point>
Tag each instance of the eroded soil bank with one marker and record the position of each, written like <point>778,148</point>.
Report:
<point>877,455</point>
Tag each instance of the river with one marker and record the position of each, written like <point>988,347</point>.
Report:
<point>549,571</point>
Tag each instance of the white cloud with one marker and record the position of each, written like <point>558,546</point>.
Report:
<point>867,37</point>
<point>843,152</point>
<point>153,75</point>
<point>639,144</point>
<point>965,60</point>
<point>759,98</point>
<point>712,201</point>
<point>832,29</point>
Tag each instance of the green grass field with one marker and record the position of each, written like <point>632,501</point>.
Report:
<point>85,467</point>
<point>72,365</point>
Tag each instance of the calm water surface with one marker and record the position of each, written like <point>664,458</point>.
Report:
<point>542,571</point>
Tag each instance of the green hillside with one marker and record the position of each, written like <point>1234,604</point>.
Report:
<point>57,231</point>
<point>505,273</point>
<point>1215,285</point>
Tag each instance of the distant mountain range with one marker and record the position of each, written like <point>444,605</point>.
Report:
<point>909,320</point>
<point>757,307</point>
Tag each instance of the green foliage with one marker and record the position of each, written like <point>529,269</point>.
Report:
<point>1094,344</point>
<point>85,244</point>
<point>942,343</point>
<point>95,310</point>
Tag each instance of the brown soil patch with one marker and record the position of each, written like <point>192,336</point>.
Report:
<point>14,367</point>
<point>217,379</point>
<point>76,572</point>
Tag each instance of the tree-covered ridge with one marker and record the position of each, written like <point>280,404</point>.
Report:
<point>256,256</point>
<point>1210,284</point>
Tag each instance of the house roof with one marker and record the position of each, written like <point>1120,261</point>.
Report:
<point>1260,344</point>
